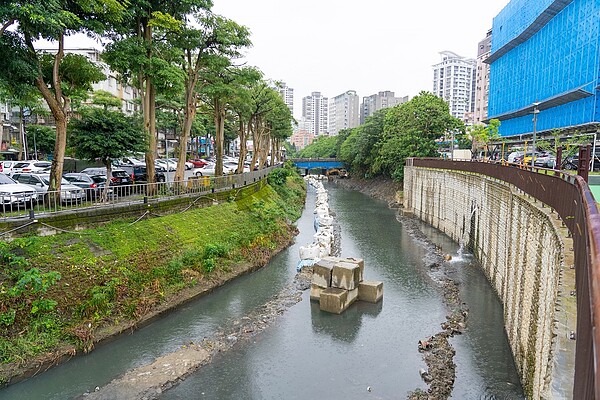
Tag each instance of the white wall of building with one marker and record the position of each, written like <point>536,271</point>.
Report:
<point>454,81</point>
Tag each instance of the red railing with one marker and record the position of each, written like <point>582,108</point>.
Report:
<point>570,196</point>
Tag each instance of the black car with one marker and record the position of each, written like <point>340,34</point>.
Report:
<point>139,173</point>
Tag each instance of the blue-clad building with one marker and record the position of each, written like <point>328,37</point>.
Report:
<point>546,54</point>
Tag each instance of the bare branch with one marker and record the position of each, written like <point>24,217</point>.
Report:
<point>6,26</point>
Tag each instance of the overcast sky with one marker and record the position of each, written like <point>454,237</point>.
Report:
<point>331,46</point>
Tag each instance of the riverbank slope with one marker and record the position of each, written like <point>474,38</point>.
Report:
<point>63,294</point>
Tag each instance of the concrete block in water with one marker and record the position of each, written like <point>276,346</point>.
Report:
<point>315,291</point>
<point>336,300</point>
<point>360,262</point>
<point>345,275</point>
<point>370,291</point>
<point>322,270</point>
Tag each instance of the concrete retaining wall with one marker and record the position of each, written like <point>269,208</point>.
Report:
<point>519,249</point>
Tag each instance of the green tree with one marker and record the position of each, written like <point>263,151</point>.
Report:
<point>322,147</point>
<point>106,99</point>
<point>41,139</point>
<point>483,135</point>
<point>139,51</point>
<point>51,20</point>
<point>361,148</point>
<point>106,135</point>
<point>205,37</point>
<point>411,130</point>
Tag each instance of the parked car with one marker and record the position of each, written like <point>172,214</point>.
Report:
<point>209,170</point>
<point>14,194</point>
<point>572,163</point>
<point>198,162</point>
<point>7,166</point>
<point>30,166</point>
<point>119,177</point>
<point>129,161</point>
<point>139,173</point>
<point>545,161</point>
<point>188,165</point>
<point>92,184</point>
<point>166,164</point>
<point>40,182</point>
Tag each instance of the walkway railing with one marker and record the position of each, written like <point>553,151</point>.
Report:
<point>130,194</point>
<point>570,196</point>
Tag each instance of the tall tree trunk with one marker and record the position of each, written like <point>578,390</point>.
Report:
<point>219,135</point>
<point>242,136</point>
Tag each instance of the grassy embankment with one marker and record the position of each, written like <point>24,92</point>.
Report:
<point>65,291</point>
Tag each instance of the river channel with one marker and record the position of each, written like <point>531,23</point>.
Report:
<point>308,354</point>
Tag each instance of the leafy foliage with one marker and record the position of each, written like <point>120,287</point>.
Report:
<point>105,134</point>
<point>322,147</point>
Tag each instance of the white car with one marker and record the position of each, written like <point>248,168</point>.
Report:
<point>40,182</point>
<point>166,164</point>
<point>15,195</point>
<point>30,166</point>
<point>7,166</point>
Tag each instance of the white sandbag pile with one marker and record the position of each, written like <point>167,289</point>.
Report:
<point>323,239</point>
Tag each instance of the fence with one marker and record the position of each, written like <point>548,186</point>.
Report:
<point>122,195</point>
<point>570,196</point>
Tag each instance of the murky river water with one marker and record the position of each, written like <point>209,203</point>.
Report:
<point>308,354</point>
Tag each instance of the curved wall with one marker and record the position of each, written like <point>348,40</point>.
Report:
<point>518,247</point>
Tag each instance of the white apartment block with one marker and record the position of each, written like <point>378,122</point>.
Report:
<point>111,84</point>
<point>379,101</point>
<point>454,81</point>
<point>287,94</point>
<point>343,112</point>
<point>315,111</point>
<point>482,80</point>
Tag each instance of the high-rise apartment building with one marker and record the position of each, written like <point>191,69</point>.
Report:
<point>287,94</point>
<point>454,81</point>
<point>545,57</point>
<point>343,112</point>
<point>376,102</point>
<point>482,79</point>
<point>315,111</point>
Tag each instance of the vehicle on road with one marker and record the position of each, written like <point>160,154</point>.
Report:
<point>14,194</point>
<point>40,182</point>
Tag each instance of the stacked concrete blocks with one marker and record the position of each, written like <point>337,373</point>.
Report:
<point>338,282</point>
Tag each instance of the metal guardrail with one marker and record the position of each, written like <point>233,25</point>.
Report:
<point>131,194</point>
<point>570,196</point>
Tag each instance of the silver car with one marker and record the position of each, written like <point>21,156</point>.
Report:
<point>15,195</point>
<point>68,193</point>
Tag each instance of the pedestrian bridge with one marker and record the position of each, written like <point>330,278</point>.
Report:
<point>317,163</point>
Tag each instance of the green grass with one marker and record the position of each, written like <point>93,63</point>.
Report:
<point>120,271</point>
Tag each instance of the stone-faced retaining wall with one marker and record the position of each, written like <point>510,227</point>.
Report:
<point>518,247</point>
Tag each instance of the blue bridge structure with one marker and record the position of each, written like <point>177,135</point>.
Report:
<point>323,164</point>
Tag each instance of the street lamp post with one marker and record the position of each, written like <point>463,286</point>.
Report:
<point>536,111</point>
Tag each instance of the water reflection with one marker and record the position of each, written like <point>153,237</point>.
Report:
<point>346,326</point>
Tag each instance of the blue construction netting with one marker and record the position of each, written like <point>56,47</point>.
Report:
<point>560,57</point>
